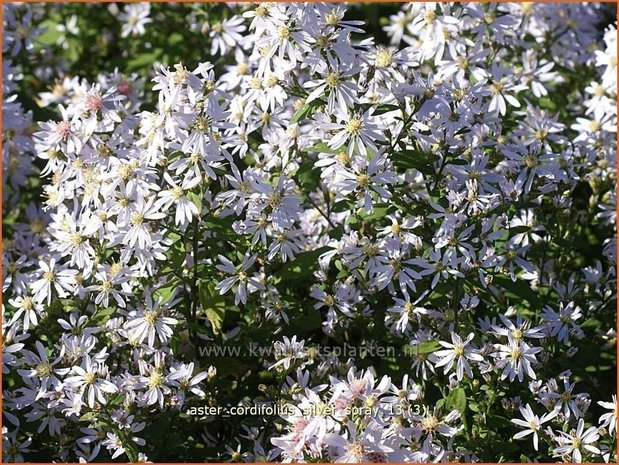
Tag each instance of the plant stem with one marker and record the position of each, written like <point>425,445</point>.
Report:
<point>194,278</point>
<point>320,211</point>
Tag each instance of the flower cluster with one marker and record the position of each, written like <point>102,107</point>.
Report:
<point>449,191</point>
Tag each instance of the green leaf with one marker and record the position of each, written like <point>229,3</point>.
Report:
<point>102,316</point>
<point>379,109</point>
<point>89,416</point>
<point>379,211</point>
<point>305,111</point>
<point>458,161</point>
<point>414,159</point>
<point>220,226</point>
<point>167,291</point>
<point>50,35</point>
<point>456,399</point>
<point>519,289</point>
<point>426,347</point>
<point>320,147</point>
<point>175,255</point>
<point>213,305</point>
<point>547,104</point>
<point>310,322</point>
<point>302,266</point>
<point>142,60</point>
<point>307,176</point>
<point>195,199</point>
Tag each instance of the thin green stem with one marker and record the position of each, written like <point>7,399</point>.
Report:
<point>326,217</point>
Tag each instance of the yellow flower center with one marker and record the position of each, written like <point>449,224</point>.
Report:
<point>151,317</point>
<point>283,32</point>
<point>354,126</point>
<point>137,218</point>
<point>496,88</point>
<point>332,19</point>
<point>429,16</point>
<point>384,58</point>
<point>76,239</point>
<point>541,134</point>
<point>242,68</point>
<point>343,157</point>
<point>43,369</point>
<point>177,193</point>
<point>409,308</point>
<point>155,380</point>
<point>125,172</point>
<point>333,79</point>
<point>115,269</point>
<point>27,303</point>
<point>530,161</point>
<point>272,81</point>
<point>262,11</point>
<point>363,179</point>
<point>37,226</point>
<point>202,124</point>
<point>429,423</point>
<point>527,7</point>
<point>489,18</point>
<point>275,199</point>
<point>90,378</point>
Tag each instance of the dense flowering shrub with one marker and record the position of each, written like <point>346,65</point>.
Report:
<point>398,235</point>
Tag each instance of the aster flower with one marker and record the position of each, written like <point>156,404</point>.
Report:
<point>562,324</point>
<point>184,209</point>
<point>150,322</point>
<point>573,444</point>
<point>365,446</point>
<point>54,277</point>
<point>226,34</point>
<point>138,235</point>
<point>337,84</point>
<point>357,132</point>
<point>27,309</point>
<point>517,357</point>
<point>42,369</point>
<point>245,283</point>
<point>134,17</point>
<point>92,382</point>
<point>609,419</point>
<point>457,352</point>
<point>532,423</point>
